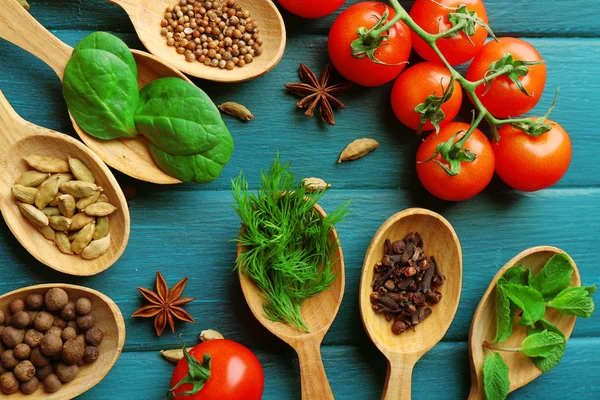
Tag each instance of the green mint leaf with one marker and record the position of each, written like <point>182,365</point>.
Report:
<point>495,377</point>
<point>554,277</point>
<point>517,274</point>
<point>541,344</point>
<point>504,313</point>
<point>545,325</point>
<point>529,300</point>
<point>590,289</point>
<point>574,301</point>
<point>554,356</point>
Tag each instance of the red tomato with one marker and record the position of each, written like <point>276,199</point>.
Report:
<point>311,8</point>
<point>235,373</point>
<point>418,82</point>
<point>531,163</point>
<point>473,177</point>
<point>432,16</point>
<point>394,51</point>
<point>504,99</point>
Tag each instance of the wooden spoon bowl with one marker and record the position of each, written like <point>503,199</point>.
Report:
<point>404,350</point>
<point>521,369</point>
<point>146,16</point>
<point>131,156</point>
<point>317,312</point>
<point>108,318</point>
<point>19,138</point>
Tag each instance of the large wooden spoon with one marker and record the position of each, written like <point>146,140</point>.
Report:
<point>130,156</point>
<point>521,368</point>
<point>19,138</point>
<point>108,318</point>
<point>404,350</point>
<point>318,313</point>
<point>147,14</point>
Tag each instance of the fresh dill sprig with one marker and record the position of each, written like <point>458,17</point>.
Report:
<point>289,254</point>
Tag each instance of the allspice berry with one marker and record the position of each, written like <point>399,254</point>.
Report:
<point>24,371</point>
<point>43,372</point>
<point>51,345</point>
<point>68,312</point>
<point>86,322</point>
<point>43,321</point>
<point>68,333</point>
<point>12,336</point>
<point>34,301</point>
<point>94,336</point>
<point>8,360</point>
<point>55,330</point>
<point>38,359</point>
<point>83,306</point>
<point>1,317</point>
<point>8,383</point>
<point>52,383</point>
<point>16,305</point>
<point>22,351</point>
<point>59,322</point>
<point>20,319</point>
<point>90,354</point>
<point>66,373</point>
<point>56,299</point>
<point>72,351</point>
<point>30,386</point>
<point>33,338</point>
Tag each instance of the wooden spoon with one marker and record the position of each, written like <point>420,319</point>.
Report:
<point>521,368</point>
<point>147,14</point>
<point>108,318</point>
<point>404,350</point>
<point>130,156</point>
<point>318,313</point>
<point>19,138</point>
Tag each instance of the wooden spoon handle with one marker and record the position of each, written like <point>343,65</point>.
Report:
<point>398,384</point>
<point>10,125</point>
<point>20,28</point>
<point>312,373</point>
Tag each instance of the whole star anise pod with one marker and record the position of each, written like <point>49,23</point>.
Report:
<point>165,305</point>
<point>318,92</point>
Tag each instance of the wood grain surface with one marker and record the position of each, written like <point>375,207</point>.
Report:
<point>186,230</point>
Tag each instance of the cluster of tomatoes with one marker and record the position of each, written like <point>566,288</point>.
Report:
<point>523,161</point>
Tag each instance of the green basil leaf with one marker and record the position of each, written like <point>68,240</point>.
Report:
<point>529,300</point>
<point>101,93</point>
<point>495,377</point>
<point>554,277</point>
<point>107,42</point>
<point>201,168</point>
<point>574,301</point>
<point>179,118</point>
<point>541,344</point>
<point>517,274</point>
<point>504,313</point>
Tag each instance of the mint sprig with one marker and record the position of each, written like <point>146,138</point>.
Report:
<point>495,377</point>
<point>529,300</point>
<point>554,277</point>
<point>574,301</point>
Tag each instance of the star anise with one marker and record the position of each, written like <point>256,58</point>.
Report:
<point>318,92</point>
<point>165,305</point>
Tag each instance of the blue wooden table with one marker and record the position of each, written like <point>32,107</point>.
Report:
<point>185,230</point>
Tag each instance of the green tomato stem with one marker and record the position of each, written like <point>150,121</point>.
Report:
<point>400,14</point>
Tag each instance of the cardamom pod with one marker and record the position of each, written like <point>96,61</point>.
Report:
<point>60,223</point>
<point>96,248</point>
<point>66,205</point>
<point>31,178</point>
<point>47,164</point>
<point>87,201</point>
<point>54,202</point>
<point>51,211</point>
<point>24,193</point>
<point>99,209</point>
<point>79,189</point>
<point>80,170</point>
<point>62,242</point>
<point>72,235</point>
<point>315,184</point>
<point>237,110</point>
<point>34,215</point>
<point>102,199</point>
<point>47,232</point>
<point>210,334</point>
<point>102,227</point>
<point>47,193</point>
<point>174,355</point>
<point>80,220</point>
<point>62,178</point>
<point>83,238</point>
<point>357,149</point>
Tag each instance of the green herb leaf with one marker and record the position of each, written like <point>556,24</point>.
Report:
<point>517,275</point>
<point>555,354</point>
<point>495,377</point>
<point>107,42</point>
<point>504,312</point>
<point>541,344</point>
<point>554,277</point>
<point>574,301</point>
<point>529,300</point>
<point>544,325</point>
<point>590,289</point>
<point>101,93</point>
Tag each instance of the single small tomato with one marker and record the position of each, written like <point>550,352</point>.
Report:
<point>502,97</point>
<point>531,163</point>
<point>311,8</point>
<point>223,370</point>
<point>415,85</point>
<point>432,16</point>
<point>392,54</point>
<point>473,176</point>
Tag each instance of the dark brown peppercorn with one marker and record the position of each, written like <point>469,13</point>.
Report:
<point>30,386</point>
<point>38,359</point>
<point>33,338</point>
<point>72,351</point>
<point>56,299</point>
<point>51,345</point>
<point>8,360</point>
<point>20,319</point>
<point>86,322</point>
<point>24,371</point>
<point>8,383</point>
<point>83,306</point>
<point>16,305</point>
<point>22,351</point>
<point>35,301</point>
<point>52,383</point>
<point>90,354</point>
<point>66,373</point>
